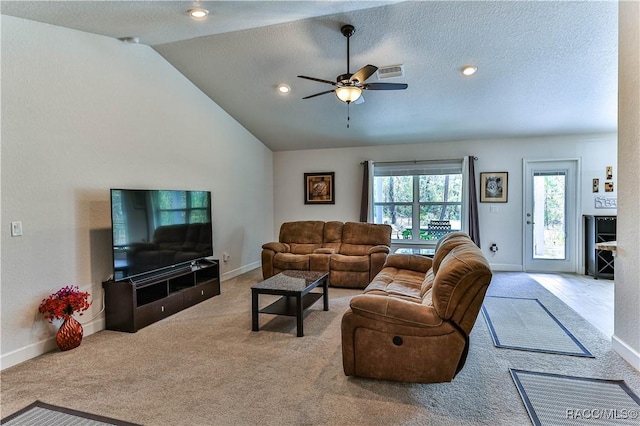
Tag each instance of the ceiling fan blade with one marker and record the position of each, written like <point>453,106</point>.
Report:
<point>385,86</point>
<point>319,79</point>
<point>318,94</point>
<point>364,73</point>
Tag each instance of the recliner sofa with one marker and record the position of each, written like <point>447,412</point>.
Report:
<point>352,252</point>
<point>413,321</point>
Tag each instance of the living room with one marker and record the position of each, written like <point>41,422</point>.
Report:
<point>83,113</point>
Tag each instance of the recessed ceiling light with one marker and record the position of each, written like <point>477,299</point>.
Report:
<point>198,13</point>
<point>130,40</point>
<point>283,89</point>
<point>469,69</point>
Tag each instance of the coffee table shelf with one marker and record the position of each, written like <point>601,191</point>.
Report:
<point>286,305</point>
<point>294,287</point>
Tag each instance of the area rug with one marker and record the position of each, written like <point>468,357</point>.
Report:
<point>40,413</point>
<point>526,324</point>
<point>556,399</point>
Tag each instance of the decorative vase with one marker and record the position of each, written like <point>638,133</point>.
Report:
<point>69,334</point>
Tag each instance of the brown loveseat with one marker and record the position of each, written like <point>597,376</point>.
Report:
<point>352,252</point>
<point>413,321</point>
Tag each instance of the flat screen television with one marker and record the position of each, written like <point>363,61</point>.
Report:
<point>154,230</point>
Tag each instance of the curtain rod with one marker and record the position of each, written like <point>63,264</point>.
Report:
<point>417,161</point>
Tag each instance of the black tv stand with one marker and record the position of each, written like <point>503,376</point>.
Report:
<point>132,305</point>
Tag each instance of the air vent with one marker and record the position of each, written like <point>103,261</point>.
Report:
<point>391,71</point>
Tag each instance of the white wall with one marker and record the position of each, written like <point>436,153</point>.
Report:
<point>626,339</point>
<point>503,228</point>
<point>83,113</point>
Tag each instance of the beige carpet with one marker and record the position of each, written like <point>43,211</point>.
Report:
<point>204,366</point>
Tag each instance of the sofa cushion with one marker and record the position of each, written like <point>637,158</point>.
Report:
<point>394,310</point>
<point>397,282</point>
<point>445,245</point>
<point>332,237</point>
<point>340,262</point>
<point>302,232</point>
<point>427,283</point>
<point>463,267</point>
<point>413,262</point>
<point>284,261</point>
<point>296,248</point>
<point>358,238</point>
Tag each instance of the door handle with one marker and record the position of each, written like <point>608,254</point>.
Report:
<point>530,223</point>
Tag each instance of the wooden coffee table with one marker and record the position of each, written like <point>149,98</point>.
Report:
<point>295,288</point>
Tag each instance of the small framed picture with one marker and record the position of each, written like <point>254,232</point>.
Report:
<point>319,188</point>
<point>609,172</point>
<point>608,186</point>
<point>493,187</point>
<point>596,185</point>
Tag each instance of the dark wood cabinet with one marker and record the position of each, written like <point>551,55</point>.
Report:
<point>132,305</point>
<point>598,229</point>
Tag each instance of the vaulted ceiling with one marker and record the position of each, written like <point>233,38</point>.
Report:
<point>544,68</point>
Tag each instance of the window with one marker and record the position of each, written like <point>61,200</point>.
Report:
<point>428,194</point>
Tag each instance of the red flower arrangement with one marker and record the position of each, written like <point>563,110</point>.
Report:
<point>64,302</point>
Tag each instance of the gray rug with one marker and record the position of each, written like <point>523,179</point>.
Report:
<point>526,324</point>
<point>557,399</point>
<point>40,413</point>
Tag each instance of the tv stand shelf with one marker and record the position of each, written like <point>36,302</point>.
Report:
<point>132,305</point>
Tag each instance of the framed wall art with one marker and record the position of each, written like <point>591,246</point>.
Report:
<point>319,188</point>
<point>493,187</point>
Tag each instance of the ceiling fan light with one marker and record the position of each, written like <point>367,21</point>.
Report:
<point>348,94</point>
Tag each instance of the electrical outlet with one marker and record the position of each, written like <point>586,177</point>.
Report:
<point>225,257</point>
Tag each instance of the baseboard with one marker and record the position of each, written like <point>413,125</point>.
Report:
<point>239,271</point>
<point>626,352</point>
<point>505,267</point>
<point>42,347</point>
<point>39,348</point>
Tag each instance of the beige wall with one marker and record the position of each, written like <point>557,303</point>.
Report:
<point>502,155</point>
<point>626,339</point>
<point>83,113</point>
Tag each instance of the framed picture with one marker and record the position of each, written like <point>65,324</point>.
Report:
<point>319,188</point>
<point>596,185</point>
<point>493,187</point>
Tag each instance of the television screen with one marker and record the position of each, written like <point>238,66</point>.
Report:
<point>156,229</point>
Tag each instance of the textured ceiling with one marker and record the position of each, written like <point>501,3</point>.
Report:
<point>543,67</point>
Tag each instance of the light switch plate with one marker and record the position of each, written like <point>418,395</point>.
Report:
<point>16,229</point>
<point>493,209</point>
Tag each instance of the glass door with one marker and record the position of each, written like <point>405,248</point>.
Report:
<point>550,216</point>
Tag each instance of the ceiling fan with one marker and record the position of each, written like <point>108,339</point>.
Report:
<point>349,87</point>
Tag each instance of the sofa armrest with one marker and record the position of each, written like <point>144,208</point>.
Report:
<point>395,310</point>
<point>379,249</point>
<point>277,247</point>
<point>412,262</point>
<point>324,250</point>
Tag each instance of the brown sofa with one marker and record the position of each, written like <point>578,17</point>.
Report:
<point>413,321</point>
<point>352,252</point>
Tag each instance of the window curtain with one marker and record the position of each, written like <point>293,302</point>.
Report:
<point>366,203</point>
<point>474,227</point>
